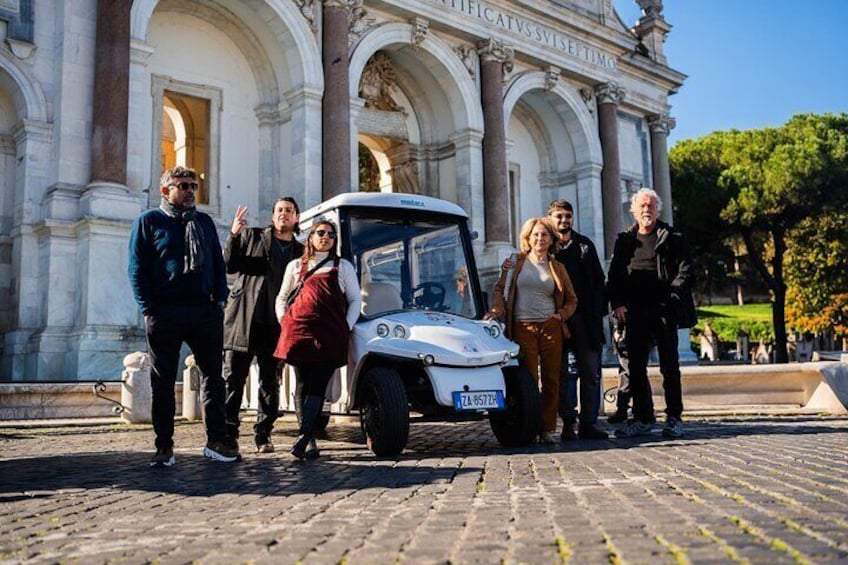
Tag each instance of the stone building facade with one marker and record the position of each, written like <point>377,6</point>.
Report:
<point>498,105</point>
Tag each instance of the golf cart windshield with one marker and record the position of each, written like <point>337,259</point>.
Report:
<point>411,262</point>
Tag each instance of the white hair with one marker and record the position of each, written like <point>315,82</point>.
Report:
<point>645,191</point>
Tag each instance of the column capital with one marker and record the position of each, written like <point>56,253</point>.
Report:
<point>661,123</point>
<point>610,93</point>
<point>493,50</point>
<point>346,4</point>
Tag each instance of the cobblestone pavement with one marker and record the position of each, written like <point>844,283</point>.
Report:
<point>748,490</point>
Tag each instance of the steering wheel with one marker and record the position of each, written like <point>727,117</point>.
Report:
<point>430,295</point>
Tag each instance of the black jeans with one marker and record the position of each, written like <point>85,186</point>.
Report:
<point>202,328</point>
<point>645,326</point>
<point>236,369</point>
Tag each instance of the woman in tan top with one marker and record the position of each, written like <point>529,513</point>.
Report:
<point>535,297</point>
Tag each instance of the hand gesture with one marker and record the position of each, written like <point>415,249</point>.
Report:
<point>239,222</point>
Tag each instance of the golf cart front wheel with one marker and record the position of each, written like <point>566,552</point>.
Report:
<point>518,424</point>
<point>384,411</point>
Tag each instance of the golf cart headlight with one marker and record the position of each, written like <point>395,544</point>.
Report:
<point>507,357</point>
<point>427,359</point>
<point>494,330</point>
<point>399,332</point>
<point>382,330</point>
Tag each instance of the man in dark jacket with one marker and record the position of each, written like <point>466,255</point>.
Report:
<point>178,279</point>
<point>578,254</point>
<point>259,257</point>
<point>650,292</point>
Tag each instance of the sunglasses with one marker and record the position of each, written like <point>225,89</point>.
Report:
<point>185,185</point>
<point>322,233</point>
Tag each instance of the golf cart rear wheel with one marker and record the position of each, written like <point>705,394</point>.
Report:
<point>519,424</point>
<point>384,411</point>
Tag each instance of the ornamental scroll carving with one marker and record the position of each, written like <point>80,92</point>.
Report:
<point>379,80</point>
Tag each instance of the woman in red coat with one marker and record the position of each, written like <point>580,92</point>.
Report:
<point>316,323</point>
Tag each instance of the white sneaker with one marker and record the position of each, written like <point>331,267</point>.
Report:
<point>634,428</point>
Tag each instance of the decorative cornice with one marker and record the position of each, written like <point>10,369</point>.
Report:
<point>610,93</point>
<point>347,4</point>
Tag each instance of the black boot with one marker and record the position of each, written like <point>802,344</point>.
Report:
<point>312,450</point>
<point>310,411</point>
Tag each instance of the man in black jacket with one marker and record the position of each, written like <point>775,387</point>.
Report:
<point>578,254</point>
<point>177,276</point>
<point>650,292</point>
<point>259,257</point>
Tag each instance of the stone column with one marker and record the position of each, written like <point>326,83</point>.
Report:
<point>335,121</point>
<point>111,92</point>
<point>609,95</point>
<point>494,57</point>
<point>660,125</point>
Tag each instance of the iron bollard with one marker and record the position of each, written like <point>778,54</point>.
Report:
<point>136,391</point>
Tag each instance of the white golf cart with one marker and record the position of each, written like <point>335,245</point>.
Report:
<point>420,344</point>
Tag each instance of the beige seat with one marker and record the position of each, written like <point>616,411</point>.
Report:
<point>379,297</point>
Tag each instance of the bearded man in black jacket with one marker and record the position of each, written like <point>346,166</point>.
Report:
<point>578,254</point>
<point>649,286</point>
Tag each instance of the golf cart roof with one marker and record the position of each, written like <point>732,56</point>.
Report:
<point>384,200</point>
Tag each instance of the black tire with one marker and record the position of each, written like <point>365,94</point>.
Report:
<point>519,424</point>
<point>384,411</point>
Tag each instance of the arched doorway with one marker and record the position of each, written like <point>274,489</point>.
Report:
<point>552,152</point>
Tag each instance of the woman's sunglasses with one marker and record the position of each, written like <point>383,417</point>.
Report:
<point>328,233</point>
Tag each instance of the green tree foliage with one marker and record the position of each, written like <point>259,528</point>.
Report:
<point>696,166</point>
<point>773,179</point>
<point>817,275</point>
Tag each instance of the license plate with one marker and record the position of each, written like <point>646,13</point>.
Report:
<point>478,400</point>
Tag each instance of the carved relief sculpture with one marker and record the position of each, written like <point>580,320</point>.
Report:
<point>651,8</point>
<point>469,59</point>
<point>405,178</point>
<point>306,8</point>
<point>551,78</point>
<point>379,80</point>
<point>360,21</point>
<point>420,28</point>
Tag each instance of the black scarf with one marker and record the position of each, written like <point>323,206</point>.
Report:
<point>193,258</point>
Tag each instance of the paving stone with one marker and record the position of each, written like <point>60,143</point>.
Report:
<point>765,490</point>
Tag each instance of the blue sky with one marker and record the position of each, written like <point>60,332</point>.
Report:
<point>753,63</point>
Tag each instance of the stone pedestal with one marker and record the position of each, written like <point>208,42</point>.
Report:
<point>137,392</point>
